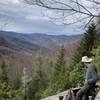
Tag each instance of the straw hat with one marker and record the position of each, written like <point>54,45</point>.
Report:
<point>86,59</point>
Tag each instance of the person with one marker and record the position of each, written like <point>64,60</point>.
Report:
<point>90,80</point>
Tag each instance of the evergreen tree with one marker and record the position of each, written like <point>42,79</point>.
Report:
<point>96,58</point>
<point>49,71</point>
<point>49,78</point>
<point>85,47</point>
<point>98,32</point>
<point>59,76</point>
<point>39,82</point>
<point>60,62</point>
<point>3,72</point>
<point>86,44</point>
<point>6,91</point>
<point>17,83</point>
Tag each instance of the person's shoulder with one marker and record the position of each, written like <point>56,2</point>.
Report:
<point>93,66</point>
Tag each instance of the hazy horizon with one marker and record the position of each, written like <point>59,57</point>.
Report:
<point>30,33</point>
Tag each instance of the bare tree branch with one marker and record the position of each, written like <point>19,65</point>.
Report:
<point>78,5</point>
<point>76,21</point>
<point>89,22</point>
<point>42,4</point>
<point>83,8</point>
<point>74,10</point>
<point>95,1</point>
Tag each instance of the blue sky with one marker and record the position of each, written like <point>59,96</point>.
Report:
<point>23,18</point>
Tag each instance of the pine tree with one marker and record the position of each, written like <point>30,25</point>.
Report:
<point>39,82</point>
<point>59,76</point>
<point>60,63</point>
<point>49,77</point>
<point>85,47</point>
<point>98,31</point>
<point>3,72</point>
<point>6,91</point>
<point>86,44</point>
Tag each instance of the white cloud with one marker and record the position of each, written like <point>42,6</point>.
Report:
<point>9,1</point>
<point>15,1</point>
<point>28,19</point>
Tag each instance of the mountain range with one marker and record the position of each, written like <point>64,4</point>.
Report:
<point>11,42</point>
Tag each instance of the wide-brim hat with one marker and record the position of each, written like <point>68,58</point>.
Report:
<point>86,59</point>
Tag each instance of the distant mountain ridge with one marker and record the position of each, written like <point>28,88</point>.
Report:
<point>16,42</point>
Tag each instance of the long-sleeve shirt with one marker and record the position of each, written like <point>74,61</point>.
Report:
<point>91,75</point>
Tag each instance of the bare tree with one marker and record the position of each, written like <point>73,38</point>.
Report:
<point>69,11</point>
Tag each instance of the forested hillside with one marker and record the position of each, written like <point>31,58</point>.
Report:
<point>50,76</point>
<point>20,50</point>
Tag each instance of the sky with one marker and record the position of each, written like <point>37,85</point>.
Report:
<point>23,18</point>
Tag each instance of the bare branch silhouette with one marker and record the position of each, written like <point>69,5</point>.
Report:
<point>70,10</point>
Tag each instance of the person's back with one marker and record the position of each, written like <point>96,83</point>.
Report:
<point>90,81</point>
<point>91,75</point>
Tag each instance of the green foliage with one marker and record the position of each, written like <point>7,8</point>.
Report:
<point>96,58</point>
<point>59,78</point>
<point>77,77</point>
<point>5,88</point>
<point>60,64</point>
<point>86,45</point>
<point>39,79</point>
<point>3,72</point>
<point>17,83</point>
<point>48,92</point>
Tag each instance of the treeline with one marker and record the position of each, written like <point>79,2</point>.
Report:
<point>52,76</point>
